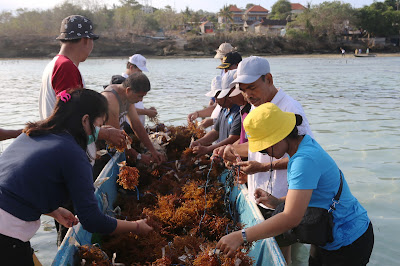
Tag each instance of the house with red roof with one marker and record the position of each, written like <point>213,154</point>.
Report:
<point>256,13</point>
<point>297,8</point>
<point>207,27</point>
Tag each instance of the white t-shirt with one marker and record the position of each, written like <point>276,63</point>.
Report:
<point>278,180</point>
<point>16,228</point>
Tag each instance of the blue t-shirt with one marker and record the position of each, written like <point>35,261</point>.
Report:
<point>311,167</point>
<point>39,174</point>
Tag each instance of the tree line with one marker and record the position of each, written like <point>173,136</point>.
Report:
<point>325,20</point>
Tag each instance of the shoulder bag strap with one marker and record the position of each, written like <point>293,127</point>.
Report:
<point>335,200</point>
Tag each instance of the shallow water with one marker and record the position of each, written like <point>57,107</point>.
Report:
<point>351,104</point>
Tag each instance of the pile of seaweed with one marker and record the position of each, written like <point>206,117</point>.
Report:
<point>182,200</point>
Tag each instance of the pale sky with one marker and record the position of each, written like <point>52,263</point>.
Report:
<point>178,5</point>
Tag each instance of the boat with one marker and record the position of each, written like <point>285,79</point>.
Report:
<point>365,55</point>
<point>264,252</point>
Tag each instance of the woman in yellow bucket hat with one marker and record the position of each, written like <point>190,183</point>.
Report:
<point>314,179</point>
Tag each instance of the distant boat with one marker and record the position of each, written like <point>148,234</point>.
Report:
<point>364,55</point>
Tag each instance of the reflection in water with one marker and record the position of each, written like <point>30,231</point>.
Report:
<point>351,104</point>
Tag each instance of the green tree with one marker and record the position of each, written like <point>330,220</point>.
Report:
<point>326,20</point>
<point>379,19</point>
<point>249,5</point>
<point>281,9</point>
<point>226,16</point>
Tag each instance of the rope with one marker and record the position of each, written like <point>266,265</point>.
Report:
<point>205,193</point>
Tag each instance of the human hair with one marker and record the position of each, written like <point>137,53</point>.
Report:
<point>67,116</point>
<point>295,132</point>
<point>129,64</point>
<point>263,77</point>
<point>138,82</point>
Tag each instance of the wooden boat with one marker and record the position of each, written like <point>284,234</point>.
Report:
<point>365,55</point>
<point>264,252</point>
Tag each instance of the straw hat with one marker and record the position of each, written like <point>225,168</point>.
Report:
<point>266,125</point>
<point>223,49</point>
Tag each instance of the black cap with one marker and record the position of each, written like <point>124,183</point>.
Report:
<point>76,27</point>
<point>229,59</point>
<point>116,79</point>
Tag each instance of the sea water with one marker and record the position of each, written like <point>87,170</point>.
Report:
<point>352,105</point>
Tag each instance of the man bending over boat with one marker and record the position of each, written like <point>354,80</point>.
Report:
<point>121,99</point>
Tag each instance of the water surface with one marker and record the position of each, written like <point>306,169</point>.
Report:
<point>351,104</point>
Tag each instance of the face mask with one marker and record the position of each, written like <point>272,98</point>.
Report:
<point>92,138</point>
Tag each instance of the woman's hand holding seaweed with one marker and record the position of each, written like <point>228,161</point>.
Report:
<point>250,167</point>
<point>142,228</point>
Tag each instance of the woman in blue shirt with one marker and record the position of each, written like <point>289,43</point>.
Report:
<point>314,179</point>
<point>46,166</point>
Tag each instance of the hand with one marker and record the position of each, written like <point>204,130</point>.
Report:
<point>143,228</point>
<point>206,123</point>
<point>192,116</point>
<point>158,157</point>
<point>194,144</point>
<point>242,178</point>
<point>230,243</point>
<point>151,112</point>
<point>266,199</point>
<point>146,159</point>
<point>218,153</point>
<point>230,155</point>
<point>64,217</point>
<point>115,136</point>
<point>200,150</point>
<point>250,167</point>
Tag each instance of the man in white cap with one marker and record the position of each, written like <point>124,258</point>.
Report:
<point>227,127</point>
<point>255,81</point>
<point>137,63</point>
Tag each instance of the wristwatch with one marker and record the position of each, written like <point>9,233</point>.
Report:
<point>138,157</point>
<point>244,237</point>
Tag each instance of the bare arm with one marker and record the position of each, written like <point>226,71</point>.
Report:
<point>141,133</point>
<point>150,112</point>
<point>9,133</point>
<point>295,208</point>
<point>252,167</point>
<point>206,112</point>
<point>139,227</point>
<point>207,139</point>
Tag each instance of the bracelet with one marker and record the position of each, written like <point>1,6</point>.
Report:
<point>244,236</point>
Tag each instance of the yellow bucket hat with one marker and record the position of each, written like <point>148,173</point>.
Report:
<point>266,125</point>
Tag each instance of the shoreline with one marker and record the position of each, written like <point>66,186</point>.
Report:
<point>182,56</point>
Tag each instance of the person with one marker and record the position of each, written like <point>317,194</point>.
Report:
<point>137,63</point>
<point>343,51</point>
<point>62,73</point>
<point>229,62</point>
<point>223,49</point>
<point>367,52</point>
<point>121,98</point>
<point>9,133</point>
<point>54,169</point>
<point>227,128</point>
<point>314,179</point>
<point>255,80</point>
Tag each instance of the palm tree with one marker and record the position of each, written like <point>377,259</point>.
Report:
<point>226,14</point>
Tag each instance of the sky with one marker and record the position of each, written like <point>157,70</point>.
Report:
<point>178,5</point>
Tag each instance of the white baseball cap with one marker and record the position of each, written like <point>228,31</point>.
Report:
<point>251,69</point>
<point>139,61</point>
<point>226,82</point>
<point>223,49</point>
<point>215,87</point>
